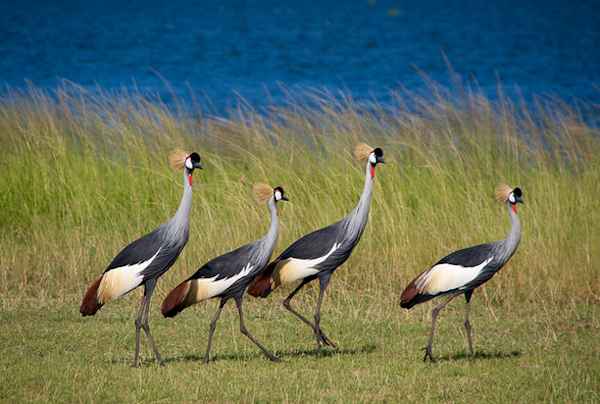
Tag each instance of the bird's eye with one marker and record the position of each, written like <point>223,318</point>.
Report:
<point>188,163</point>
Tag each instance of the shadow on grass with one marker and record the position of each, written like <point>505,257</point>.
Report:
<point>325,353</point>
<point>480,355</point>
<point>143,362</point>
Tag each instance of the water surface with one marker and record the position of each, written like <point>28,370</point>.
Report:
<point>219,50</point>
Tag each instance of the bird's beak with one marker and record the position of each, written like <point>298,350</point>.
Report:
<point>198,166</point>
<point>283,198</point>
<point>519,200</point>
<point>380,160</point>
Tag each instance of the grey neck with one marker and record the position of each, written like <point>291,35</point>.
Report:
<point>357,219</point>
<point>514,237</point>
<point>270,239</point>
<point>180,222</point>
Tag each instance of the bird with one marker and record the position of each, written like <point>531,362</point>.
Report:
<point>462,271</point>
<point>227,276</point>
<point>143,261</point>
<point>318,254</point>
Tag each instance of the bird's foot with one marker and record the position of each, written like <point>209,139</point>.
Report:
<point>428,354</point>
<point>274,358</point>
<point>326,341</point>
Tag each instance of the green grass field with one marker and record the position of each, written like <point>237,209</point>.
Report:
<point>82,175</point>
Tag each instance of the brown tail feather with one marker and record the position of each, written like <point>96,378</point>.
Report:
<point>175,301</point>
<point>261,285</point>
<point>408,295</point>
<point>90,304</point>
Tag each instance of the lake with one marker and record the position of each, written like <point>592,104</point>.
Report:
<point>218,51</point>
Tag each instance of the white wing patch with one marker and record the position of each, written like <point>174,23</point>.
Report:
<point>119,281</point>
<point>293,269</point>
<point>210,287</point>
<point>444,277</point>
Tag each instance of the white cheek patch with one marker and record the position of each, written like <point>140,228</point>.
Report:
<point>278,195</point>
<point>372,158</point>
<point>188,163</point>
<point>511,197</point>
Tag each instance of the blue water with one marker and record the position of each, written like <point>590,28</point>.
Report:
<point>217,51</point>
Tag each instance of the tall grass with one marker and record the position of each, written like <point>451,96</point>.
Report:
<point>82,174</point>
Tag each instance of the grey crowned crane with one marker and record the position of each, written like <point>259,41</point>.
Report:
<point>318,254</point>
<point>228,275</point>
<point>464,270</point>
<point>146,259</point>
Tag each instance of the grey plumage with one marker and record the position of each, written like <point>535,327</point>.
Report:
<point>318,254</point>
<point>228,276</point>
<point>464,270</point>
<point>143,261</point>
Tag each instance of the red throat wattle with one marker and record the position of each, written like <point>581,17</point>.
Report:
<point>372,172</point>
<point>190,179</point>
<point>514,207</point>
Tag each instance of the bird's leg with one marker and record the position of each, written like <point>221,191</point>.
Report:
<point>436,311</point>
<point>318,320</point>
<point>146,328</point>
<point>468,324</point>
<point>138,326</point>
<point>323,282</point>
<point>244,331</point>
<point>213,325</point>
<point>149,289</point>
<point>287,305</point>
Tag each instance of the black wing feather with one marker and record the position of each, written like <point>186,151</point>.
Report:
<point>473,256</point>
<point>146,247</point>
<point>226,265</point>
<point>315,244</point>
<point>469,257</point>
<point>138,251</point>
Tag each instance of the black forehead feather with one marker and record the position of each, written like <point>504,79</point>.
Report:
<point>378,152</point>
<point>280,190</point>
<point>195,157</point>
<point>518,192</point>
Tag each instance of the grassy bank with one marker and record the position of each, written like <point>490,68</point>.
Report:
<point>83,175</point>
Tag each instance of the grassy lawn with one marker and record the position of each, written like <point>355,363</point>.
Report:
<point>524,353</point>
